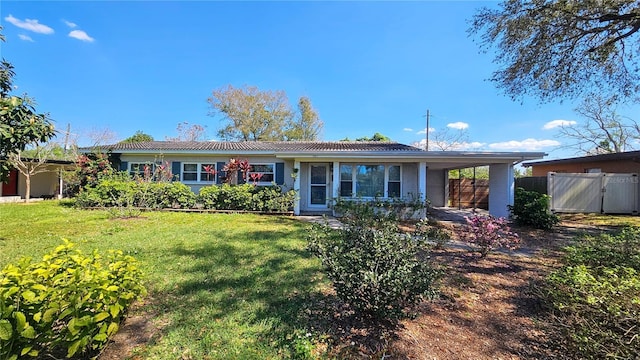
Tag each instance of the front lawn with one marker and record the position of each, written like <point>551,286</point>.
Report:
<point>223,286</point>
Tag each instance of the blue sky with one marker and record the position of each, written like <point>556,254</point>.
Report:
<point>366,66</point>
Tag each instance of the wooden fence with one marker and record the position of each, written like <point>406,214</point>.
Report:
<point>467,193</point>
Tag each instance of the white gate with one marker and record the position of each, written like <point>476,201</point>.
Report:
<point>593,193</point>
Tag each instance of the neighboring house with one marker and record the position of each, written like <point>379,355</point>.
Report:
<point>625,162</point>
<point>321,171</point>
<point>44,184</point>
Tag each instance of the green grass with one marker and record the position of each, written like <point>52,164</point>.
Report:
<point>221,286</point>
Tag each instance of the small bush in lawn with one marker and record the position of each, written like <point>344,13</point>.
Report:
<point>532,208</point>
<point>69,302</point>
<point>378,271</point>
<point>432,232</point>
<point>593,301</point>
<point>487,233</point>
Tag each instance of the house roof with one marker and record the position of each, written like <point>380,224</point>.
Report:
<point>322,151</point>
<point>629,155</point>
<point>262,146</point>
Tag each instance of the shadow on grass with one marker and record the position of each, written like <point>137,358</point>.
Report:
<point>247,292</point>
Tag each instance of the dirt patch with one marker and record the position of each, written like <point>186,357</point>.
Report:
<point>138,329</point>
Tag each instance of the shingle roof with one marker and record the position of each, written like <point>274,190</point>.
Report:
<point>267,146</point>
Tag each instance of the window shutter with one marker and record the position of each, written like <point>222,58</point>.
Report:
<point>221,174</point>
<point>241,179</point>
<point>175,170</point>
<point>124,166</point>
<point>280,173</point>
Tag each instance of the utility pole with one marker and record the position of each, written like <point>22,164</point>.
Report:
<point>427,132</point>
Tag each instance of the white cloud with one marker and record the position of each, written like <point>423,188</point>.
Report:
<point>25,37</point>
<point>70,24</point>
<point>29,24</point>
<point>408,129</point>
<point>81,35</point>
<point>526,145</point>
<point>558,123</point>
<point>424,131</point>
<point>458,125</point>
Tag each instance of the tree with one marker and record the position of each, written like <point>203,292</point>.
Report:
<point>139,136</point>
<point>376,137</point>
<point>251,114</point>
<point>36,163</point>
<point>20,124</point>
<point>449,139</point>
<point>604,130</point>
<point>562,49</point>
<point>308,125</point>
<point>188,132</point>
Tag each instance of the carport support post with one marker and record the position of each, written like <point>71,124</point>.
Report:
<point>422,181</point>
<point>501,188</point>
<point>296,187</point>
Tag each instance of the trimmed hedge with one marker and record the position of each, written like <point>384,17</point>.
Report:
<point>69,303</point>
<point>118,191</point>
<point>246,197</point>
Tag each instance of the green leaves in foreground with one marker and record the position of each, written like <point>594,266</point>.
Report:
<point>593,301</point>
<point>377,270</point>
<point>67,301</point>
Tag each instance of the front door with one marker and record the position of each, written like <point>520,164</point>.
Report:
<point>10,188</point>
<point>318,185</point>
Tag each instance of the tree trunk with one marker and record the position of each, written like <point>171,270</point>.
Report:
<point>27,194</point>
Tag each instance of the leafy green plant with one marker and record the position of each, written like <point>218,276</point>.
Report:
<point>487,233</point>
<point>391,209</point>
<point>378,271</point>
<point>593,300</point>
<point>67,301</point>
<point>432,232</point>
<point>247,197</point>
<point>532,208</point>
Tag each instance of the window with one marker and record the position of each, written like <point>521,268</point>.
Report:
<point>263,174</point>
<point>196,172</point>
<point>370,180</point>
<point>137,169</point>
<point>346,180</point>
<point>393,184</point>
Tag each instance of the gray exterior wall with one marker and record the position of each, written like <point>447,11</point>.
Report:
<point>437,192</point>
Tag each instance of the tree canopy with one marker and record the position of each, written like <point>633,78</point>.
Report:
<point>376,137</point>
<point>603,131</point>
<point>563,49</point>
<point>188,132</point>
<point>139,136</point>
<point>20,123</point>
<point>251,114</point>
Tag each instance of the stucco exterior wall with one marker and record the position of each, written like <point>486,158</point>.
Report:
<point>437,187</point>
<point>43,184</point>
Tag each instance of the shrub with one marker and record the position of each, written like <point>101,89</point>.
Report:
<point>378,271</point>
<point>67,302</point>
<point>120,191</point>
<point>432,232</point>
<point>391,209</point>
<point>532,208</point>
<point>246,197</point>
<point>487,233</point>
<point>593,301</point>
